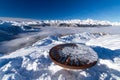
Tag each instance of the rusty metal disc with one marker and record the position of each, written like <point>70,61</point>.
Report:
<point>73,56</point>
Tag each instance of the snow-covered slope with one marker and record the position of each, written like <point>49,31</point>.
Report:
<point>109,41</point>
<point>33,62</point>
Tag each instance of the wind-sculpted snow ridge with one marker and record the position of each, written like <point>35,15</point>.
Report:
<point>61,23</point>
<point>33,62</point>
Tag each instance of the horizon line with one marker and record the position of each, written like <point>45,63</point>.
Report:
<point>35,19</point>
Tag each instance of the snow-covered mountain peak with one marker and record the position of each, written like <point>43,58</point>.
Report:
<point>33,62</point>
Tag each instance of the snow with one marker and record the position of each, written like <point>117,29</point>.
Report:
<point>81,52</point>
<point>73,22</point>
<point>108,41</point>
<point>33,62</point>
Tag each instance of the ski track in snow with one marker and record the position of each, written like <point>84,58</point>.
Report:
<point>33,62</point>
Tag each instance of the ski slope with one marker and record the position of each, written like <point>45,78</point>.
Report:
<point>33,62</point>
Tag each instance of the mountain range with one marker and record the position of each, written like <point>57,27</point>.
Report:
<point>60,23</point>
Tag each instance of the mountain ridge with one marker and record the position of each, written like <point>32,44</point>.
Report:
<point>67,23</point>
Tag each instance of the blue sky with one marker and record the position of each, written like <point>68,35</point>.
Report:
<point>61,9</point>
